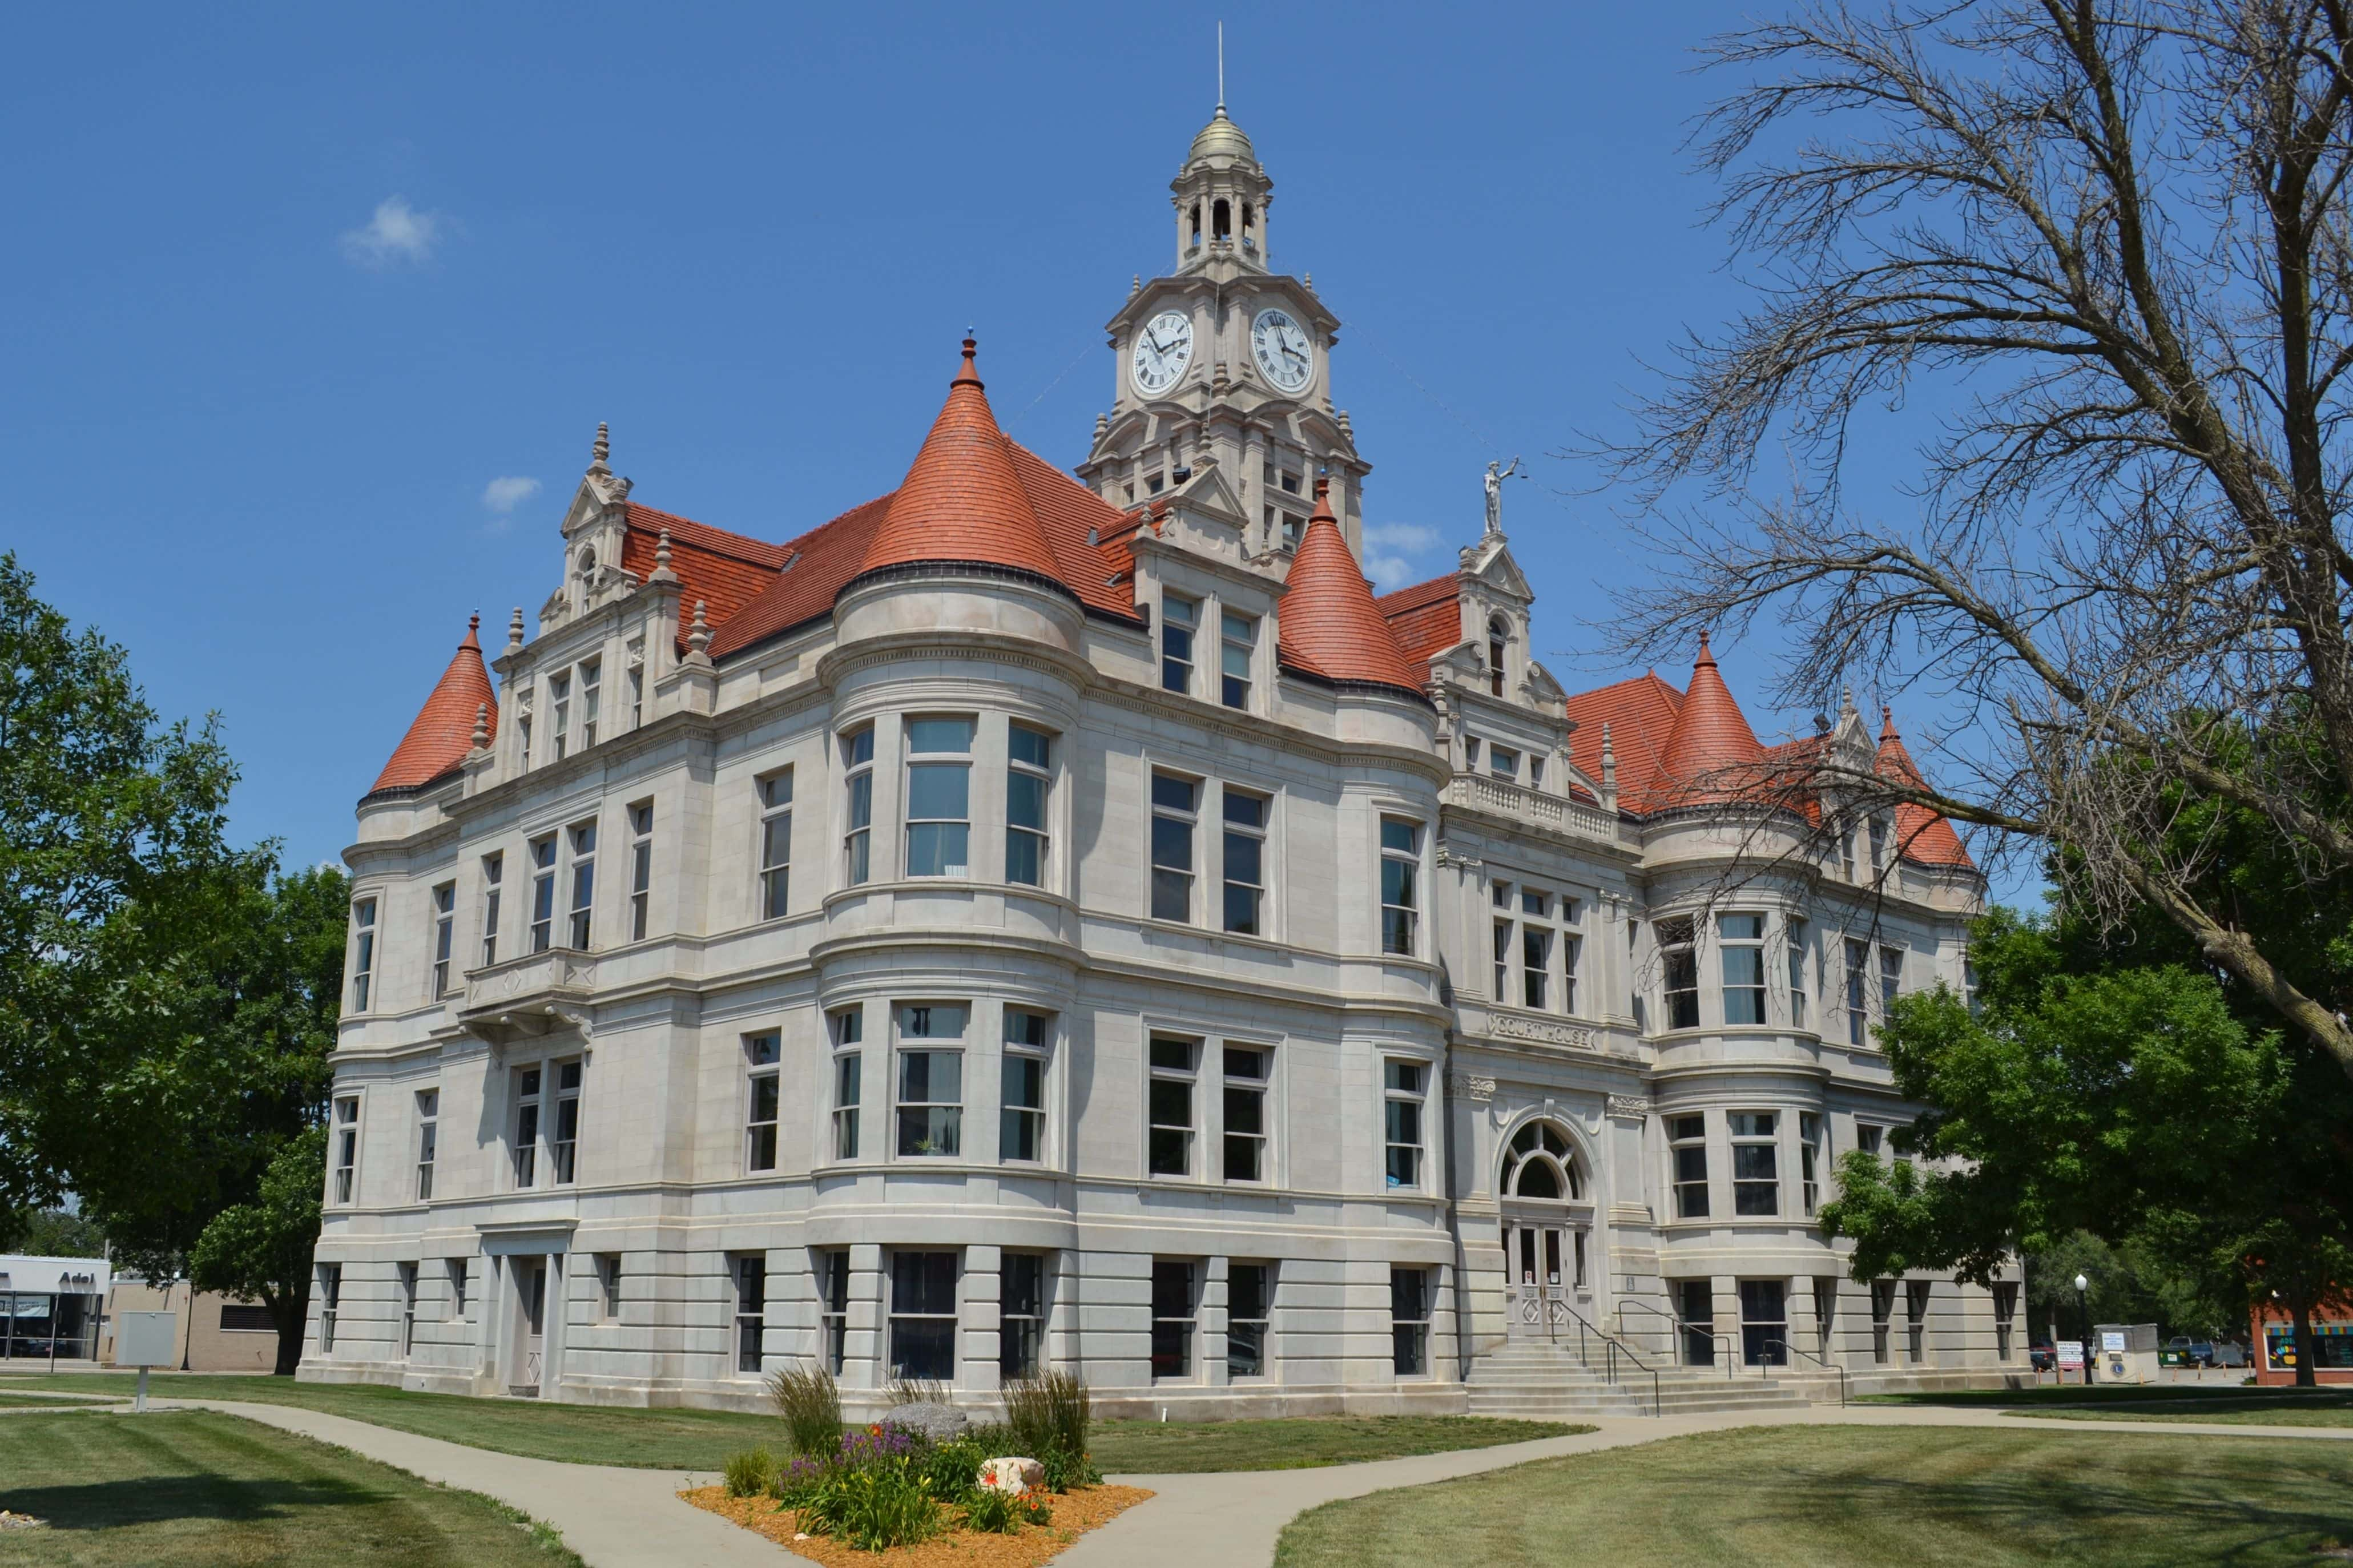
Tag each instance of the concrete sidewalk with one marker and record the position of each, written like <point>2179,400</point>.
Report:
<point>614,1517</point>
<point>617,1518</point>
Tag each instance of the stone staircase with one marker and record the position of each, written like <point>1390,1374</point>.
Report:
<point>1546,1382</point>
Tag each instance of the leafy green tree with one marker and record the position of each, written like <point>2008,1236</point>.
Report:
<point>2131,1102</point>
<point>51,1233</point>
<point>261,1250</point>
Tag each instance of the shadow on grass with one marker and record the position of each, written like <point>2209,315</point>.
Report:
<point>150,1499</point>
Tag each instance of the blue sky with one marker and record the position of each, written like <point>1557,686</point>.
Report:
<point>312,312</point>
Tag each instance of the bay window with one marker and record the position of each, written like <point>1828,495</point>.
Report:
<point>930,1080</point>
<point>1740,949</point>
<point>939,797</point>
<point>857,790</point>
<point>1021,1118</point>
<point>1027,786</point>
<point>1756,1163</point>
<point>849,1030</point>
<point>1400,883</point>
<point>1800,953</point>
<point>1403,1090</point>
<point>1679,964</point>
<point>445,932</point>
<point>363,952</point>
<point>1687,1147</point>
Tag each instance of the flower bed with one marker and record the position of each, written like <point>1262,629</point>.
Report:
<point>1073,1514</point>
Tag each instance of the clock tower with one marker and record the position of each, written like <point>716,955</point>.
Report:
<point>1222,367</point>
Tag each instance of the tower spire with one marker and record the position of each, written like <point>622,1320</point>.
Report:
<point>1222,67</point>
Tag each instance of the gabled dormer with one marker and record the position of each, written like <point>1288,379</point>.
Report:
<point>595,526</point>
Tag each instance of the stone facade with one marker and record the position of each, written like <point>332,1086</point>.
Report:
<point>954,979</point>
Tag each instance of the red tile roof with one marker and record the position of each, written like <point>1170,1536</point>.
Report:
<point>725,571</point>
<point>1427,618</point>
<point>443,732</point>
<point>1921,834</point>
<point>1641,714</point>
<point>822,560</point>
<point>1712,753</point>
<point>1328,624</point>
<point>962,499</point>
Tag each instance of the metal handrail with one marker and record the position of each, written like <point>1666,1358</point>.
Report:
<point>1685,1327</point>
<point>1610,1361</point>
<point>1818,1360</point>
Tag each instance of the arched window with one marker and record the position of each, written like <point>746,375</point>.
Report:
<point>1499,636</point>
<point>1541,1164</point>
<point>1197,223</point>
<point>1249,239</point>
<point>1221,220</point>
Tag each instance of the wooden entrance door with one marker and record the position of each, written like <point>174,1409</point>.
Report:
<point>1536,1296</point>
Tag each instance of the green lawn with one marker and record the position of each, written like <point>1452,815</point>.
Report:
<point>50,1400</point>
<point>2237,1406</point>
<point>702,1440</point>
<point>1190,1447</point>
<point>195,1487</point>
<point>1829,1496</point>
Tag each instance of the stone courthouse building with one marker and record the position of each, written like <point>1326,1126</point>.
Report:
<point>1045,919</point>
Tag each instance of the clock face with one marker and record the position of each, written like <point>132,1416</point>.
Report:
<point>1280,345</point>
<point>1164,347</point>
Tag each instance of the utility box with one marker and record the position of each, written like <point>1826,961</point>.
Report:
<point>2126,1352</point>
<point>147,1339</point>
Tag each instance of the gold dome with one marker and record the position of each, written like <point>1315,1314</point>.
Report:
<point>1221,138</point>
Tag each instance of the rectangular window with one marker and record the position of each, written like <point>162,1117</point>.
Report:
<point>1250,1302</point>
<point>1569,944</point>
<point>1021,1121</point>
<point>563,1146</point>
<point>1173,1306</point>
<point>2005,1317</point>
<point>1240,643</point>
<point>1169,1137</point>
<point>1246,821</point>
<point>1868,1138</point>
<point>775,844</point>
<point>1535,771</point>
<point>543,892</point>
<point>1179,617</point>
<point>1891,978</point>
<point>1028,781</point>
<point>591,673</point>
<point>1825,1312</point>
<point>1245,1107</point>
<point>1470,753</point>
<point>857,786</point>
<point>405,1277</point>
<point>930,1080</point>
<point>751,1271</point>
<point>939,797</point>
<point>1916,1323</point>
<point>362,952</point>
<point>1756,1163</point>
<point>1858,991</point>
<point>494,870</point>
<point>641,868</point>
<point>1809,1156</point>
<point>1687,1145</point>
<point>1409,1321</point>
<point>761,1054</point>
<point>1679,967</point>
<point>1740,946</point>
<point>1882,1311</point>
<point>1878,844</point>
<point>1503,762</point>
<point>445,933</point>
<point>1400,883</point>
<point>459,1270</point>
<point>608,1287</point>
<point>559,712</point>
<point>1021,1313</point>
<point>1404,1088</point>
<point>833,1306</point>
<point>1536,954</point>
<point>636,680</point>
<point>525,1149</point>
<point>1764,1322</point>
<point>1695,1304</point>
<point>1501,893</point>
<point>583,883</point>
<point>347,1147</point>
<point>849,1031</point>
<point>1801,950</point>
<point>522,728</point>
<point>330,1299</point>
<point>428,1138</point>
<point>1176,806</point>
<point>924,1315</point>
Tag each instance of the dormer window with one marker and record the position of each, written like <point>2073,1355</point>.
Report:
<point>1499,635</point>
<point>1503,762</point>
<point>1154,483</point>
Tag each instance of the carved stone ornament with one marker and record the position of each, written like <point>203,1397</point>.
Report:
<point>1478,1089</point>
<point>1633,1105</point>
<point>1512,1028</point>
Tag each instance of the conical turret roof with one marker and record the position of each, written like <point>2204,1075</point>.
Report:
<point>1921,834</point>
<point>1330,626</point>
<point>443,732</point>
<point>1711,748</point>
<point>962,501</point>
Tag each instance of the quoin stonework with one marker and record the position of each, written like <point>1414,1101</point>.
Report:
<point>1044,919</point>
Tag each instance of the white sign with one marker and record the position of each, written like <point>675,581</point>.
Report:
<point>2071,1352</point>
<point>2112,1344</point>
<point>146,1339</point>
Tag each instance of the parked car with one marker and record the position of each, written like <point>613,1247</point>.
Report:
<point>2043,1358</point>
<point>2186,1351</point>
<point>2230,1352</point>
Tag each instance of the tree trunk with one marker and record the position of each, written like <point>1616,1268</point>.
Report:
<point>289,1314</point>
<point>2307,1348</point>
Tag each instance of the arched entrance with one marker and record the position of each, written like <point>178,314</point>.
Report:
<point>1548,1230</point>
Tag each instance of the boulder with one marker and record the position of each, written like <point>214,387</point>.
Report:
<point>1011,1475</point>
<point>939,1423</point>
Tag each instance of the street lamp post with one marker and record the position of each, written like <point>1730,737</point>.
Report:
<point>2083,1317</point>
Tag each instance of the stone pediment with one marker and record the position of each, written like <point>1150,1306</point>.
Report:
<point>1489,566</point>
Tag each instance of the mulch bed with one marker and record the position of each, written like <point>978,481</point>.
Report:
<point>1075,1513</point>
